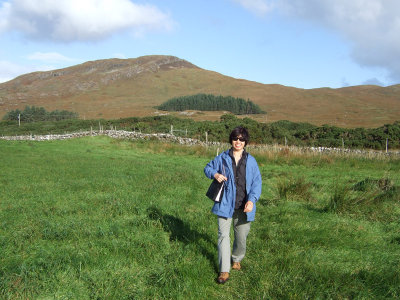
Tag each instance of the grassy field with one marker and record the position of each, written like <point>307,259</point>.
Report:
<point>97,218</point>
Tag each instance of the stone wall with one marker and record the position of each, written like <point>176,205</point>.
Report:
<point>121,134</point>
<point>117,134</point>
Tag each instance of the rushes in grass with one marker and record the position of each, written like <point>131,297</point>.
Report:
<point>347,200</point>
<point>294,188</point>
<point>365,199</point>
<point>339,198</point>
<point>384,187</point>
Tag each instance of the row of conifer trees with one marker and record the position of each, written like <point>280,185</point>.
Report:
<point>208,102</point>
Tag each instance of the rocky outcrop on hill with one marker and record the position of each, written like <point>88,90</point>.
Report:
<point>110,68</point>
<point>88,76</point>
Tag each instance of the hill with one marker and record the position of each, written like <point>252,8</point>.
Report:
<point>115,88</point>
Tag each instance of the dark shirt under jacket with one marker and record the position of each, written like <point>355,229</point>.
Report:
<point>239,172</point>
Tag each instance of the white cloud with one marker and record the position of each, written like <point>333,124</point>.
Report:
<point>259,7</point>
<point>9,70</point>
<point>345,82</point>
<point>72,20</point>
<point>373,81</point>
<point>5,9</point>
<point>371,26</point>
<point>119,55</point>
<point>50,57</point>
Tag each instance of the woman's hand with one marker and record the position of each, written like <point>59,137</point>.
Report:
<point>220,177</point>
<point>248,207</point>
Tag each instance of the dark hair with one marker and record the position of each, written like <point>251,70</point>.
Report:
<point>240,131</point>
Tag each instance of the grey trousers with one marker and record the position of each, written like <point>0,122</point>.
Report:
<point>241,229</point>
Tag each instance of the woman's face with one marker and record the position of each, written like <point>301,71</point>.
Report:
<point>237,144</point>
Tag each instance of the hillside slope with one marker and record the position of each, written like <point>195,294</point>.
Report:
<point>115,88</point>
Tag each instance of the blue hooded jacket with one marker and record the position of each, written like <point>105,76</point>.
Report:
<point>222,164</point>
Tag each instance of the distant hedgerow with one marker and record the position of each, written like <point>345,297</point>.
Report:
<point>208,102</point>
<point>36,114</point>
<point>281,132</point>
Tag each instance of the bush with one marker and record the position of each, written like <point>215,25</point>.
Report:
<point>37,114</point>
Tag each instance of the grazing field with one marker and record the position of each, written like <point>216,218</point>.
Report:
<point>96,218</point>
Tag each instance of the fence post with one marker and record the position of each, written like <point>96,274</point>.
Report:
<point>387,144</point>
<point>172,129</point>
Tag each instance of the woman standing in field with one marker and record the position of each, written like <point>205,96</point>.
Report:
<point>242,189</point>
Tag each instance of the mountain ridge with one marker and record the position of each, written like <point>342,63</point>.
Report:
<point>115,88</point>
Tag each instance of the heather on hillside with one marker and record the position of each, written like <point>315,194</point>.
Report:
<point>207,102</point>
<point>114,91</point>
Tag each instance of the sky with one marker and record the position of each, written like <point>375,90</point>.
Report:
<point>299,43</point>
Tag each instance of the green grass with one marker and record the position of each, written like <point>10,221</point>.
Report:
<point>97,218</point>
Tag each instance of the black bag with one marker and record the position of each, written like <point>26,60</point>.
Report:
<point>215,191</point>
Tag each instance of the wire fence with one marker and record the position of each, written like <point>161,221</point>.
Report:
<point>217,146</point>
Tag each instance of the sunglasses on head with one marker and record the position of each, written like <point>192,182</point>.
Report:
<point>238,138</point>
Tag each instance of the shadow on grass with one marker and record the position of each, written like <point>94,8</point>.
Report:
<point>181,231</point>
<point>310,207</point>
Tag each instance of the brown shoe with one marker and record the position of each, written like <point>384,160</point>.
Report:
<point>223,277</point>
<point>236,266</point>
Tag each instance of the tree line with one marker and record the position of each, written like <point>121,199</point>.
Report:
<point>37,114</point>
<point>280,132</point>
<point>208,102</point>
